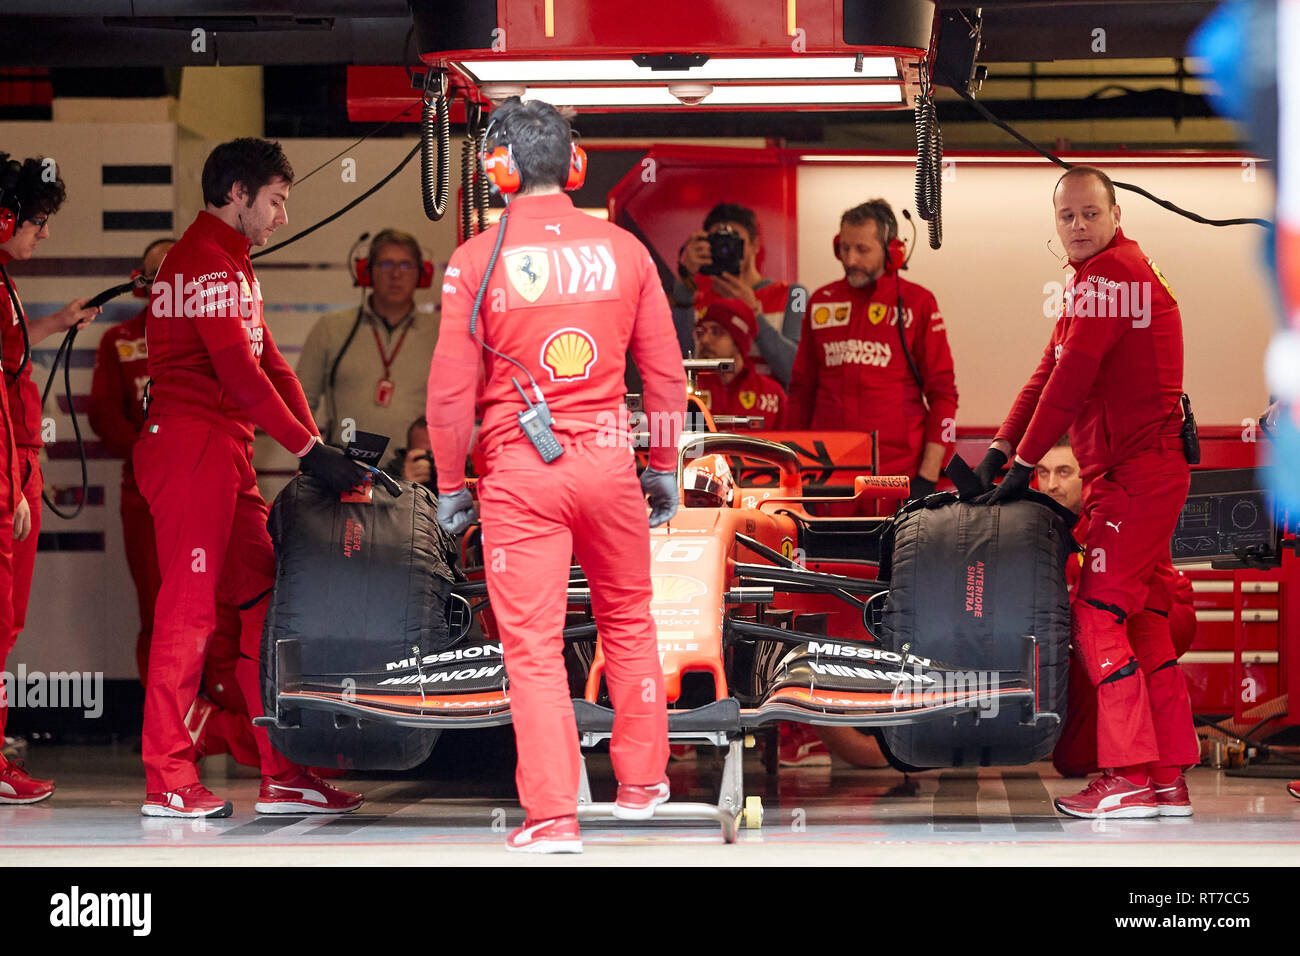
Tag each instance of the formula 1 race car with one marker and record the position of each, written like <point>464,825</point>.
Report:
<point>945,624</point>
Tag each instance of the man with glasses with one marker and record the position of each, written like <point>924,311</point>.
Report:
<point>370,364</point>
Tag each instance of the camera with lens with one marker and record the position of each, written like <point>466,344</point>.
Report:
<point>727,247</point>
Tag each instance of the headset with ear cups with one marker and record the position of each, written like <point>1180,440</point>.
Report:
<point>503,172</point>
<point>895,249</point>
<point>10,208</point>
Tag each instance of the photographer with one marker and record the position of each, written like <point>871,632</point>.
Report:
<point>414,462</point>
<point>720,262</point>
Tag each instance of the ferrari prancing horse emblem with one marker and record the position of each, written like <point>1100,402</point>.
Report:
<point>528,270</point>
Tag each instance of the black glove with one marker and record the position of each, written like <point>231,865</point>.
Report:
<point>1013,486</point>
<point>333,469</point>
<point>456,511</point>
<point>661,488</point>
<point>989,467</point>
<point>920,488</point>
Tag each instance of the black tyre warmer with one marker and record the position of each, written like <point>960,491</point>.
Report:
<point>357,583</point>
<point>967,583</point>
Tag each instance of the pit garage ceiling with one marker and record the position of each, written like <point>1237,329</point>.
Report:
<point>124,33</point>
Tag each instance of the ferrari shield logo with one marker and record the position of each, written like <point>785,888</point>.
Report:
<point>1163,281</point>
<point>528,270</point>
<point>876,312</point>
<point>747,399</point>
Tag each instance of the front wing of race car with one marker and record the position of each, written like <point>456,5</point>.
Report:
<point>820,680</point>
<point>721,579</point>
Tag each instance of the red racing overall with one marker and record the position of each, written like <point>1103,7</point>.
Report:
<point>850,373</point>
<point>1159,634</point>
<point>216,373</point>
<point>569,297</point>
<point>116,414</point>
<point>17,464</point>
<point>1112,374</point>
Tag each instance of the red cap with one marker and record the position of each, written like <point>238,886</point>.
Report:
<point>737,318</point>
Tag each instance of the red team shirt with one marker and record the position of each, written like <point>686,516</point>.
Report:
<point>748,394</point>
<point>24,396</point>
<point>117,390</point>
<point>577,293</point>
<point>1110,374</point>
<point>772,300</point>
<point>209,361</point>
<point>10,429</point>
<point>850,373</point>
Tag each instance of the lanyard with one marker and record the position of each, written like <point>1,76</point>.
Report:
<point>384,357</point>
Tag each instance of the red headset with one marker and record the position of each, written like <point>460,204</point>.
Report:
<point>10,208</point>
<point>362,278</point>
<point>503,173</point>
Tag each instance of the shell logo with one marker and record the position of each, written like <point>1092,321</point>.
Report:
<point>569,355</point>
<point>675,588</point>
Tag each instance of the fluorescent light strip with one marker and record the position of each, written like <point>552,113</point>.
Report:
<point>905,160</point>
<point>716,69</point>
<point>801,95</point>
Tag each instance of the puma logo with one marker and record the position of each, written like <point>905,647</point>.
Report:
<point>1114,524</point>
<point>555,226</point>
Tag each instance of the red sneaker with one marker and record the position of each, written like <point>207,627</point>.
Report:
<point>191,800</point>
<point>1172,800</point>
<point>801,747</point>
<point>18,786</point>
<point>1293,788</point>
<point>301,791</point>
<point>1111,796</point>
<point>638,803</point>
<point>557,835</point>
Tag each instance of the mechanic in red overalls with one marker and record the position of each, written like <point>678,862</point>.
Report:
<point>1162,631</point>
<point>1112,374</point>
<point>29,196</point>
<point>852,373</point>
<point>216,374</point>
<point>218,722</point>
<point>726,330</point>
<point>569,296</point>
<point>116,413</point>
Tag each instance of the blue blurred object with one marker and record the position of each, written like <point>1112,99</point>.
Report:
<point>1284,462</point>
<point>1221,41</point>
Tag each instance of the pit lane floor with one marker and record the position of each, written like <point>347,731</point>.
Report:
<point>821,816</point>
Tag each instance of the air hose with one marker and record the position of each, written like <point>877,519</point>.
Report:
<point>435,128</point>
<point>929,162</point>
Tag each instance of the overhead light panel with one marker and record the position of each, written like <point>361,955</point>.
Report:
<point>715,70</point>
<point>803,94</point>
